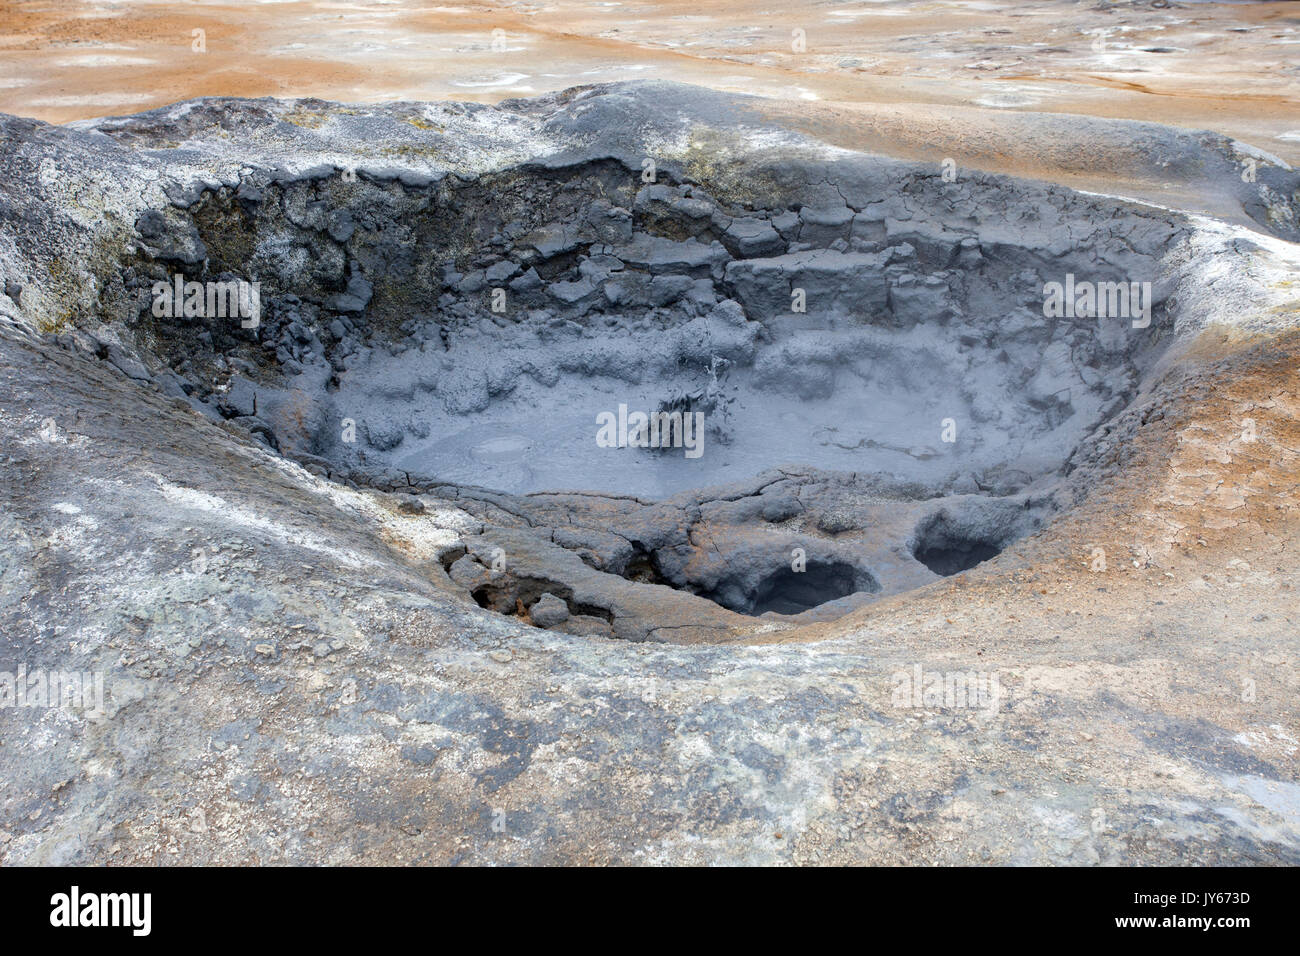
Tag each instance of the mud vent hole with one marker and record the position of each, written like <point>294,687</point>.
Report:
<point>787,591</point>
<point>946,552</point>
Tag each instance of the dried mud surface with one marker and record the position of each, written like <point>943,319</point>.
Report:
<point>1223,66</point>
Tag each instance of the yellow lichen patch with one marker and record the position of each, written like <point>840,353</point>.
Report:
<point>708,160</point>
<point>420,122</point>
<point>306,119</point>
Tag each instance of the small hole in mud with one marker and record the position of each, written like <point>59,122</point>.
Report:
<point>786,591</point>
<point>517,597</point>
<point>947,550</point>
<point>956,557</point>
<point>643,568</point>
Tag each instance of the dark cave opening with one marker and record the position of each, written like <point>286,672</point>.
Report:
<point>947,545</point>
<point>957,557</point>
<point>790,591</point>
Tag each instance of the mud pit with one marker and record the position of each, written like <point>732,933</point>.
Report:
<point>842,370</point>
<point>476,333</point>
<point>507,331</point>
<point>370,553</point>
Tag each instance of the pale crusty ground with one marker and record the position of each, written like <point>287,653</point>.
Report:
<point>1233,68</point>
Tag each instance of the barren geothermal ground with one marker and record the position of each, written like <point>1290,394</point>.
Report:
<point>649,433</point>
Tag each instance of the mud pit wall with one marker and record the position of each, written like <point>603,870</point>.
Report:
<point>473,331</point>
